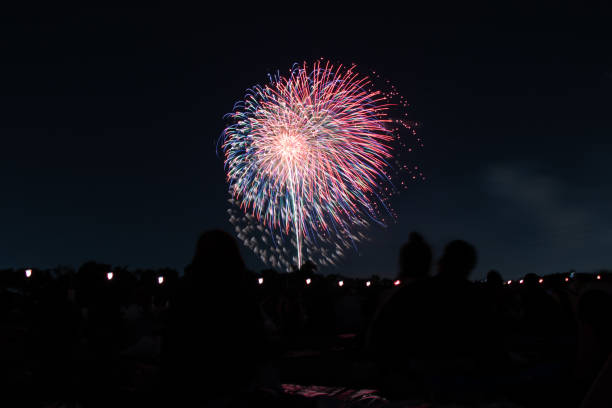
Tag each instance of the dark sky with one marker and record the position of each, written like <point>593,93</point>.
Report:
<point>109,119</point>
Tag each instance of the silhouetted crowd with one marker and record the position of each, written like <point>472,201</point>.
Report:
<point>220,335</point>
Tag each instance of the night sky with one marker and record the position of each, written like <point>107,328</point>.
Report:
<point>110,117</point>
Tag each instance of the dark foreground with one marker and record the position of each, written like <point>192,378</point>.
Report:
<point>222,336</point>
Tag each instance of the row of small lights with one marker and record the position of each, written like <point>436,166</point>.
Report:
<point>110,276</point>
<point>260,281</point>
<point>160,279</point>
<point>541,280</point>
<point>398,282</point>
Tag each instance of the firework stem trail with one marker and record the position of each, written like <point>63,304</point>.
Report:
<point>296,223</point>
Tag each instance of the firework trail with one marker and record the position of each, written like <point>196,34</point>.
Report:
<point>307,159</point>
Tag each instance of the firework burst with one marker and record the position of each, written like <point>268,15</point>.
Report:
<point>307,157</point>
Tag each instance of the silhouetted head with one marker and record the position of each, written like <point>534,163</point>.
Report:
<point>414,258</point>
<point>458,260</point>
<point>308,268</point>
<point>532,281</point>
<point>494,278</point>
<point>217,260</point>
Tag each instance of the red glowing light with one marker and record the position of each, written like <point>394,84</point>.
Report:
<point>598,277</point>
<point>308,281</point>
<point>567,279</point>
<point>541,280</point>
<point>109,275</point>
<point>160,279</point>
<point>397,282</point>
<point>341,283</point>
<point>521,281</point>
<point>28,273</point>
<point>368,283</point>
<point>260,281</point>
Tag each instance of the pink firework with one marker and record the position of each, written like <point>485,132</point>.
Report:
<point>309,152</point>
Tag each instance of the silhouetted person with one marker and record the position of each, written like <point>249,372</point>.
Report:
<point>389,336</point>
<point>414,259</point>
<point>501,315</point>
<point>414,263</point>
<point>496,297</point>
<point>214,338</point>
<point>494,279</point>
